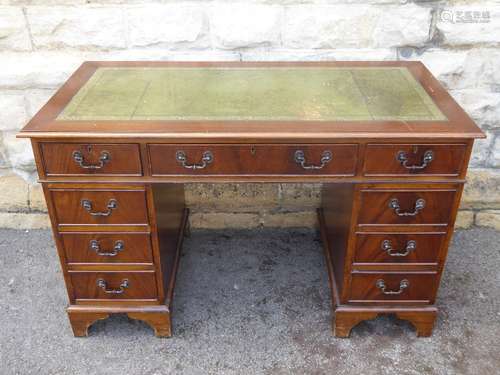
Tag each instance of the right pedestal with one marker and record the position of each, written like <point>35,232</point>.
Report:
<point>385,247</point>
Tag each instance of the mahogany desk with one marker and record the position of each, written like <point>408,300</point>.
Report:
<point>115,144</point>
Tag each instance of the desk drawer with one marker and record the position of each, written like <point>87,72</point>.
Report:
<point>107,248</point>
<point>326,159</point>
<point>100,206</point>
<point>114,285</point>
<point>406,207</point>
<point>398,287</point>
<point>90,159</point>
<point>398,247</point>
<point>414,159</point>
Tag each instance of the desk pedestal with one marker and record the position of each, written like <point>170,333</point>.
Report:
<point>345,317</point>
<point>381,259</point>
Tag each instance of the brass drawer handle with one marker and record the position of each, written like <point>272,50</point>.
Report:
<point>300,158</point>
<point>95,246</point>
<point>103,159</point>
<point>403,284</point>
<point>104,286</point>
<point>402,157</point>
<point>419,205</point>
<point>206,159</point>
<point>112,204</point>
<point>387,247</point>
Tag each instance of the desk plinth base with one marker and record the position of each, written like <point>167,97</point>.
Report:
<point>345,317</point>
<point>158,317</point>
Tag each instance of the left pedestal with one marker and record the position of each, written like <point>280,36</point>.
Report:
<point>119,247</point>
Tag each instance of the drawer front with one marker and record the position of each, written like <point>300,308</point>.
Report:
<point>409,159</point>
<point>100,206</point>
<point>398,248</point>
<point>383,287</point>
<point>330,159</point>
<point>107,248</point>
<point>406,207</point>
<point>114,285</point>
<point>85,159</point>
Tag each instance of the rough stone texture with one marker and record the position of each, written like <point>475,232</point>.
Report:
<point>12,110</point>
<point>248,302</point>
<point>36,99</point>
<point>43,41</point>
<point>495,155</point>
<point>17,220</point>
<point>482,106</point>
<point>482,189</point>
<point>36,198</point>
<point>14,193</point>
<point>300,196</point>
<point>315,26</point>
<point>19,152</point>
<point>4,163</point>
<point>464,220</point>
<point>321,55</point>
<point>245,25</point>
<point>231,197</point>
<point>220,220</point>
<point>305,219</point>
<point>466,25</point>
<point>179,23</point>
<point>38,69</point>
<point>77,27</point>
<point>482,150</point>
<point>489,218</point>
<point>463,68</point>
<point>406,24</point>
<point>14,34</point>
<point>141,54</point>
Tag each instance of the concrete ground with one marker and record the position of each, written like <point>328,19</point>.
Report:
<point>248,302</point>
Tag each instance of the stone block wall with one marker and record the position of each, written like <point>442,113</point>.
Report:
<point>43,41</point>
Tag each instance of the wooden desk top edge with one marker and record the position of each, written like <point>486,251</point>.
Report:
<point>459,126</point>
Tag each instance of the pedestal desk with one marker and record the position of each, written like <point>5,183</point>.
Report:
<point>115,145</point>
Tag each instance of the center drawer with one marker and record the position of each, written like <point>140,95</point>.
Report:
<point>87,206</point>
<point>317,159</point>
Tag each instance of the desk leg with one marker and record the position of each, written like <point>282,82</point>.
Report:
<point>344,321</point>
<point>423,321</point>
<point>159,321</point>
<point>81,321</point>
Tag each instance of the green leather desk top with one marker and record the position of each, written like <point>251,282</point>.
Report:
<point>248,93</point>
